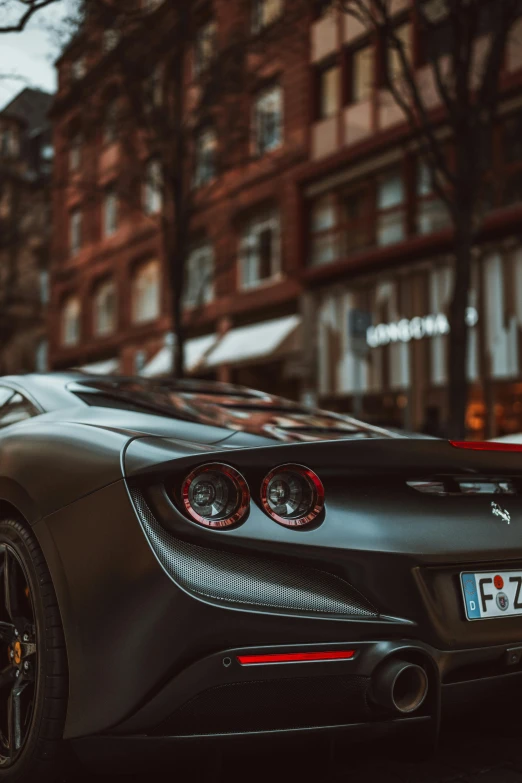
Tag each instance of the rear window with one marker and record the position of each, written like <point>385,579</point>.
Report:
<point>229,407</point>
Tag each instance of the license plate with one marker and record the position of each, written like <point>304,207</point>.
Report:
<point>492,594</point>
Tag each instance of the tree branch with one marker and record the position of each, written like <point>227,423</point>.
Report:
<point>33,7</point>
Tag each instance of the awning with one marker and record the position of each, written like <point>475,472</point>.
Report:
<point>195,351</point>
<point>108,367</point>
<point>265,340</point>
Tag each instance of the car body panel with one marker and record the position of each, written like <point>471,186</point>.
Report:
<point>156,609</point>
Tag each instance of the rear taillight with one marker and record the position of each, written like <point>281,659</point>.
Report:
<point>215,495</point>
<point>292,495</point>
<point>485,445</point>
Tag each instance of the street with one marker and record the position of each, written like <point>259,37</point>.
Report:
<point>481,754</point>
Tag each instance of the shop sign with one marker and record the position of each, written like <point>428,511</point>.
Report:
<point>406,329</point>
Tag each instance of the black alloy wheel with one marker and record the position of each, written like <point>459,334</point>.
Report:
<point>33,666</point>
<point>19,649</point>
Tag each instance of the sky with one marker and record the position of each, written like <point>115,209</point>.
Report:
<point>30,55</point>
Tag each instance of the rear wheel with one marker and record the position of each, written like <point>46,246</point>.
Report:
<point>33,666</point>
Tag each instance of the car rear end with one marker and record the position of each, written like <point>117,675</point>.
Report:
<point>359,620</point>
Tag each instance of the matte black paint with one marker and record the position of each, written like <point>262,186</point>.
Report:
<point>135,640</point>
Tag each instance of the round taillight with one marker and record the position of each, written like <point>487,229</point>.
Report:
<point>292,495</point>
<point>215,495</point>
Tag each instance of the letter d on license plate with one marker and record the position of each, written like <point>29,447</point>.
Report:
<point>492,594</point>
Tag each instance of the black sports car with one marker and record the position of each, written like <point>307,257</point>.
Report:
<point>192,560</point>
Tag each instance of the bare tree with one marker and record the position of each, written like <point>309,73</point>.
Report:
<point>15,15</point>
<point>468,84</point>
<point>195,130</point>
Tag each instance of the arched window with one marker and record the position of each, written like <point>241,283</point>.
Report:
<point>153,190</point>
<point>70,321</point>
<point>75,151</point>
<point>110,211</point>
<point>146,292</point>
<point>105,309</point>
<point>110,122</point>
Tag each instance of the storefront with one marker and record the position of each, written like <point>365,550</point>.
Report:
<point>261,355</point>
<point>384,340</point>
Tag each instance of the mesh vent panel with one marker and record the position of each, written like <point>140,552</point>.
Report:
<point>249,580</point>
<point>272,704</point>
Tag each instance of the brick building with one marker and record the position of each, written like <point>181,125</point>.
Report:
<point>322,266</point>
<point>379,248</point>
<point>25,219</point>
<point>110,298</point>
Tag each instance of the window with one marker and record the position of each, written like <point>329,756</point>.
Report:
<point>78,69</point>
<point>357,217</point>
<point>42,356</point>
<point>71,313</point>
<point>105,309</point>
<point>329,92</point>
<point>394,67</point>
<point>200,277</point>
<point>269,120</point>
<point>110,124</point>
<point>390,208</point>
<point>260,250</point>
<point>322,8</point>
<point>512,159</point>
<point>432,214</point>
<point>146,293</point>
<point>360,69</point>
<point>140,360</point>
<point>206,145</point>
<point>325,231</point>
<point>8,143</point>
<point>111,39</point>
<point>152,191</point>
<point>437,34</point>
<point>47,153</point>
<point>16,410</point>
<point>340,224</point>
<point>44,286</point>
<point>75,152</point>
<point>75,231</point>
<point>110,212</point>
<point>204,47</point>
<point>153,89</point>
<point>264,13</point>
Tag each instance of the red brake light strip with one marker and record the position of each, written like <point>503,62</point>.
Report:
<point>485,445</point>
<point>335,655</point>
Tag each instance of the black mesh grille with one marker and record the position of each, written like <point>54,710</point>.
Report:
<point>249,580</point>
<point>272,704</point>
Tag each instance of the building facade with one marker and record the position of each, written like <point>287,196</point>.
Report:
<point>110,275</point>
<point>321,263</point>
<point>378,242</point>
<point>25,235</point>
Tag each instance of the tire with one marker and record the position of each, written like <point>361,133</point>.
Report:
<point>32,708</point>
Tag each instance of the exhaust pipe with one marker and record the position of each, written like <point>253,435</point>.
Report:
<point>400,686</point>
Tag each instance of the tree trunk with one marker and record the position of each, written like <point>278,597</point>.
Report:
<point>458,340</point>
<point>180,196</point>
